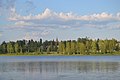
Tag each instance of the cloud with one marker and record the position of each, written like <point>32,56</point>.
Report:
<point>22,23</point>
<point>8,3</point>
<point>67,16</point>
<point>27,7</point>
<point>51,19</point>
<point>114,26</point>
<point>1,33</point>
<point>36,35</point>
<point>5,6</point>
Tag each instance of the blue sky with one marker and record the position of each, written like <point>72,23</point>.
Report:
<point>63,19</point>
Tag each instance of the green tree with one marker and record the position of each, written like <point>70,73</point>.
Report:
<point>88,46</point>
<point>60,50</point>
<point>62,47</point>
<point>73,47</point>
<point>17,47</point>
<point>114,43</point>
<point>4,47</point>
<point>82,48</point>
<point>10,47</point>
<point>102,47</point>
<point>48,49</point>
<point>94,47</point>
<point>1,52</point>
<point>107,45</point>
<point>68,47</point>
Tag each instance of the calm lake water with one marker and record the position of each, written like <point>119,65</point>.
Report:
<point>60,68</point>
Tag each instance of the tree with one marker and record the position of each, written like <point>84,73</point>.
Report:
<point>113,43</point>
<point>81,48</point>
<point>10,47</point>
<point>60,50</point>
<point>17,47</point>
<point>40,49</point>
<point>106,44</point>
<point>1,52</point>
<point>88,46</point>
<point>94,46</point>
<point>73,47</point>
<point>48,49</point>
<point>62,47</point>
<point>31,46</point>
<point>4,47</point>
<point>68,47</point>
<point>102,47</point>
<point>44,46</point>
<point>52,45</point>
<point>40,43</point>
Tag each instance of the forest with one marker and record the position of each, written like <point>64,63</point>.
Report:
<point>83,46</point>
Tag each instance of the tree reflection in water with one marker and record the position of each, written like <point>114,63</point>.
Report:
<point>59,67</point>
<point>59,70</point>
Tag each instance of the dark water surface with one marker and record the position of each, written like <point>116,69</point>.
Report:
<point>60,68</point>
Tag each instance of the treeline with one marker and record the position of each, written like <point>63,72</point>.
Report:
<point>24,46</point>
<point>83,46</point>
<point>87,46</point>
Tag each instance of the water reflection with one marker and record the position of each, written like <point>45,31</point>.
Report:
<point>58,69</point>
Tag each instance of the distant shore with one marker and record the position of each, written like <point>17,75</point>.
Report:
<point>55,54</point>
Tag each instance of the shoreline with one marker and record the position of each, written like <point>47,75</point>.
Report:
<point>108,54</point>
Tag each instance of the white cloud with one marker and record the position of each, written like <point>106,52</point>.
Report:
<point>13,15</point>
<point>66,16</point>
<point>53,19</point>
<point>113,26</point>
<point>102,16</point>
<point>22,23</point>
<point>36,35</point>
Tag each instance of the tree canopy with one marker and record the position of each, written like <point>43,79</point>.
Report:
<point>82,46</point>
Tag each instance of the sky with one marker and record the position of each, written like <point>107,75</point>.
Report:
<point>62,19</point>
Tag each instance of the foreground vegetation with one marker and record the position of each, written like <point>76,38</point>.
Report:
<point>81,46</point>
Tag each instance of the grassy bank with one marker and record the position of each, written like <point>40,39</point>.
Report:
<point>56,54</point>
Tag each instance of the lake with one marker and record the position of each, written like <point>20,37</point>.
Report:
<point>59,67</point>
